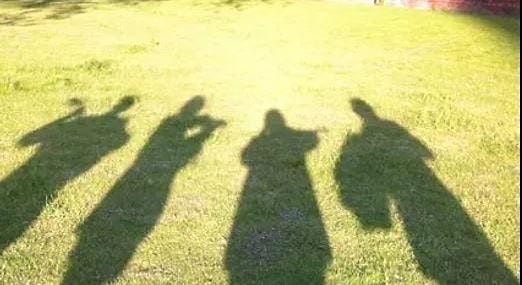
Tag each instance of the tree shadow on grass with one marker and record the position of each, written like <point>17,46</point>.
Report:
<point>507,27</point>
<point>385,162</point>
<point>243,4</point>
<point>127,215</point>
<point>67,148</point>
<point>53,9</point>
<point>29,12</point>
<point>278,236</point>
<point>238,4</point>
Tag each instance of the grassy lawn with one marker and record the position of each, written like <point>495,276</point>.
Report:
<point>308,142</point>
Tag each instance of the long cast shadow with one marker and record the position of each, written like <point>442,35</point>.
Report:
<point>278,236</point>
<point>385,162</point>
<point>67,148</point>
<point>113,231</point>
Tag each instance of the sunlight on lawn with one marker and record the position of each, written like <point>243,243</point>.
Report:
<point>257,142</point>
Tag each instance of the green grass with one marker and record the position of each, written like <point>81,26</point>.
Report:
<point>308,142</point>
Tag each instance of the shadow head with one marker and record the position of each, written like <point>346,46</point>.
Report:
<point>75,102</point>
<point>124,104</point>
<point>274,120</point>
<point>363,109</point>
<point>194,106</point>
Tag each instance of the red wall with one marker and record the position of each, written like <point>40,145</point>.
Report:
<point>494,6</point>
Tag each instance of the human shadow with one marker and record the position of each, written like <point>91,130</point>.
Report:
<point>384,162</point>
<point>278,236</point>
<point>127,215</point>
<point>66,148</point>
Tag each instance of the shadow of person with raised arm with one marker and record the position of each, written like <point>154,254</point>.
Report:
<point>128,214</point>
<point>278,236</point>
<point>385,162</point>
<point>66,148</point>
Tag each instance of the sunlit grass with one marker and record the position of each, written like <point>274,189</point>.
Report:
<point>451,80</point>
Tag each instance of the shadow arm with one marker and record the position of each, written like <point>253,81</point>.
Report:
<point>35,136</point>
<point>208,126</point>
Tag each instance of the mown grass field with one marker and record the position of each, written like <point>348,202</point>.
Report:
<point>307,142</point>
